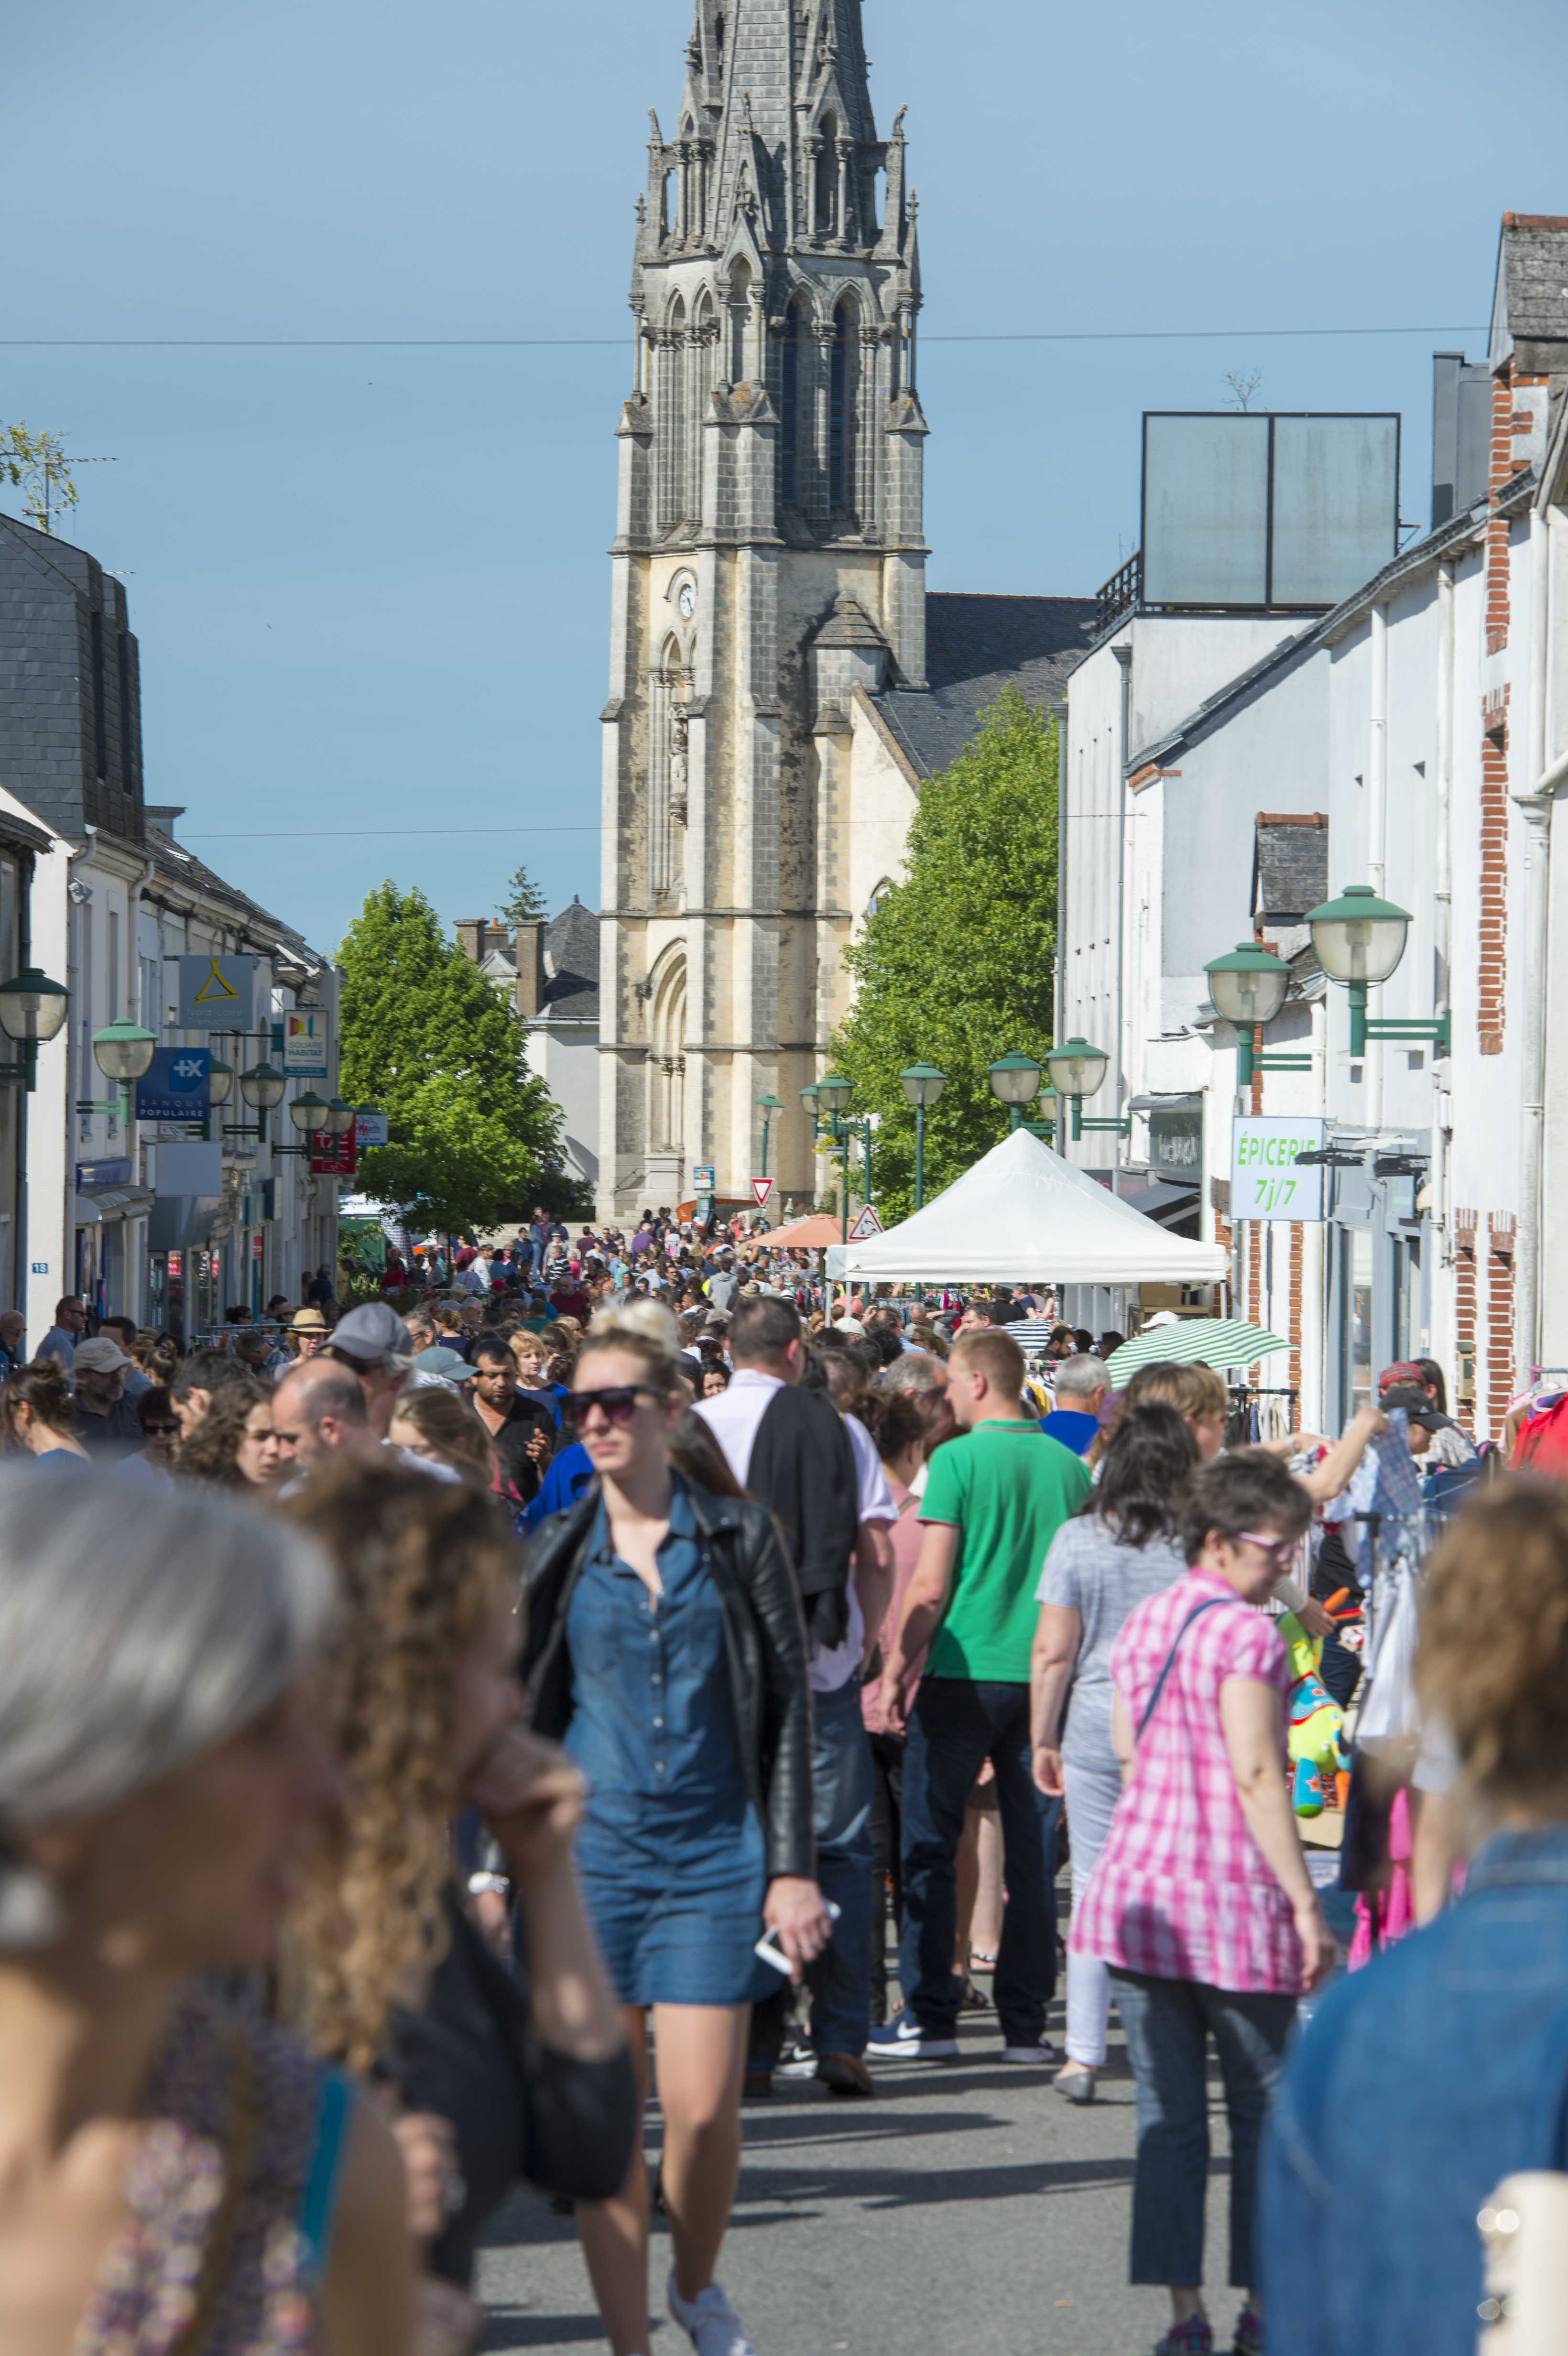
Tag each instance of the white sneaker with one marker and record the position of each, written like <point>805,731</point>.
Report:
<point>1039,2055</point>
<point>712,2322</point>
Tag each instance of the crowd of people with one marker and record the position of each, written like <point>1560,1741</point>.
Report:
<point>428,1724</point>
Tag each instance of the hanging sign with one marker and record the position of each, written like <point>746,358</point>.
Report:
<point>332,1156</point>
<point>702,1179</point>
<point>175,1085</point>
<point>1265,1182</point>
<point>369,1129</point>
<point>867,1226</point>
<point>761,1188</point>
<point>305,1045</point>
<point>216,993</point>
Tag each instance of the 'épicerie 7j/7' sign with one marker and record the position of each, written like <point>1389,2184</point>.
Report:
<point>1266,1181</point>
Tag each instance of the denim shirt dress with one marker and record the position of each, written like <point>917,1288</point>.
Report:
<point>670,1851</point>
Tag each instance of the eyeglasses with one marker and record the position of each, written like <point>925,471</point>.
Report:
<point>1281,1549</point>
<point>160,1431</point>
<point>618,1400</point>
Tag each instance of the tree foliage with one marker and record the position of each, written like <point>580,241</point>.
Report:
<point>524,903</point>
<point>957,965</point>
<point>472,1141</point>
<point>36,464</point>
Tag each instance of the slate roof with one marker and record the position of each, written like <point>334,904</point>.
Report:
<point>570,992</point>
<point>974,647</point>
<point>1290,866</point>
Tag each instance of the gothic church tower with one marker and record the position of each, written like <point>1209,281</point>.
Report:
<point>768,576</point>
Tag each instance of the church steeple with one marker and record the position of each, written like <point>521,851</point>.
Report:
<point>776,107</point>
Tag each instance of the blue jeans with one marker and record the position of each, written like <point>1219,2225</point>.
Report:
<point>841,1791</point>
<point>956,1726</point>
<point>1168,2025</point>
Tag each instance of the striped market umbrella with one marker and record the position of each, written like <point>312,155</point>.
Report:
<point>1218,1342</point>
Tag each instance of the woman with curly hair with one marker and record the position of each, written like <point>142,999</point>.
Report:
<point>666,1645</point>
<point>386,1971</point>
<point>234,1445</point>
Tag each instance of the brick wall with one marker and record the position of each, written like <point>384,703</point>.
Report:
<point>1500,1385</point>
<point>1465,1224</point>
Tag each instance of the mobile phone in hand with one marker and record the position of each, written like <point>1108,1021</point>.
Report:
<point>769,1949</point>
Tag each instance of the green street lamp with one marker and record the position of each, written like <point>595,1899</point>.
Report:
<point>1359,940</point>
<point>32,1009</point>
<point>923,1084</point>
<point>309,1115</point>
<point>1078,1070</point>
<point>832,1094</point>
<point>123,1052</point>
<point>1015,1080</point>
<point>341,1117</point>
<point>767,1106</point>
<point>221,1082</point>
<point>1249,988</point>
<point>261,1087</point>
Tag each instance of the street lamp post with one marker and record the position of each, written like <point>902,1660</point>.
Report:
<point>923,1084</point>
<point>309,1115</point>
<point>1015,1080</point>
<point>767,1106</point>
<point>32,1009</point>
<point>1078,1070</point>
<point>832,1094</point>
<point>1249,988</point>
<point>123,1052</point>
<point>1359,940</point>
<point>261,1087</point>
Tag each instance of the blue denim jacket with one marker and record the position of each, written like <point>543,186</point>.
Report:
<point>1420,2082</point>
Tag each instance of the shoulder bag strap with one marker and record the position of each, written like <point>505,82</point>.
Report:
<point>318,2201</point>
<point>1170,1660</point>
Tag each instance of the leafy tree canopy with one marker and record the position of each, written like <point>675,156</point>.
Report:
<point>956,967</point>
<point>472,1141</point>
<point>524,903</point>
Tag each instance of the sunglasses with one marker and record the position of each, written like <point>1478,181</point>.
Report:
<point>160,1431</point>
<point>1280,1548</point>
<point>618,1400</point>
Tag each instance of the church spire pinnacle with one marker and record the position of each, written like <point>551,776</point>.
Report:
<point>775,99</point>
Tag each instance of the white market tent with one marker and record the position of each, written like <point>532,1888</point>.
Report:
<point>1023,1216</point>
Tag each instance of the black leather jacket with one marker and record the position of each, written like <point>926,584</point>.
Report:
<point>764,1646</point>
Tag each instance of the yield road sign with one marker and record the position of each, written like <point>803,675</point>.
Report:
<point>761,1188</point>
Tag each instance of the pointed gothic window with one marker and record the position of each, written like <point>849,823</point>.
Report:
<point>671,420</point>
<point>789,405</point>
<point>718,38</point>
<point>739,309</point>
<point>837,370</point>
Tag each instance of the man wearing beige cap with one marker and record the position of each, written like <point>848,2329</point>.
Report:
<point>106,1420</point>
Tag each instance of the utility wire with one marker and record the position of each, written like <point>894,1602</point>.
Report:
<point>560,343</point>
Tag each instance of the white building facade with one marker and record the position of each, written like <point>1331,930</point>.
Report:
<point>1408,739</point>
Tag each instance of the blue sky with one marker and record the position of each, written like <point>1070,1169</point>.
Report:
<point>370,586</point>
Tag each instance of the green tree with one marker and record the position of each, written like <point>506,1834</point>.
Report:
<point>472,1141</point>
<point>956,967</point>
<point>36,464</point>
<point>524,903</point>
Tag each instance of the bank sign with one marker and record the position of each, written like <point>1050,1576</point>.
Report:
<point>1266,1181</point>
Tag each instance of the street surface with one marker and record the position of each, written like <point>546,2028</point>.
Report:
<point>968,2209</point>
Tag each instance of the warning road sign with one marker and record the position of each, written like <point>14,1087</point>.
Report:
<point>216,993</point>
<point>864,1226</point>
<point>761,1188</point>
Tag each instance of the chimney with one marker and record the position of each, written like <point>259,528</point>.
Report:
<point>470,933</point>
<point>528,942</point>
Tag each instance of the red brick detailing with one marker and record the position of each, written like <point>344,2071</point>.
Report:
<point>1465,1224</point>
<point>1491,1013</point>
<point>1500,1385</point>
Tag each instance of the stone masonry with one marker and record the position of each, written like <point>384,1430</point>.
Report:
<point>768,566</point>
<point>71,703</point>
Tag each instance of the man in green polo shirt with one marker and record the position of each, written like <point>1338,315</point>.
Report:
<point>995,1498</point>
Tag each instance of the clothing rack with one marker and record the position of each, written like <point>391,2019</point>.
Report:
<point>1251,1420</point>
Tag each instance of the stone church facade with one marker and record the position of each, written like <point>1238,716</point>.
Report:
<point>769,684</point>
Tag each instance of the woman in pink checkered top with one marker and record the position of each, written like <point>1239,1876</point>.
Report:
<point>1200,1902</point>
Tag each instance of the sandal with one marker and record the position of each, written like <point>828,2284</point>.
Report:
<point>981,1959</point>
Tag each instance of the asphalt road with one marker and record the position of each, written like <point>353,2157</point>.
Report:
<point>969,2211</point>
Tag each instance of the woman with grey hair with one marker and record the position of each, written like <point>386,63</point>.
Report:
<point>171,2172</point>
